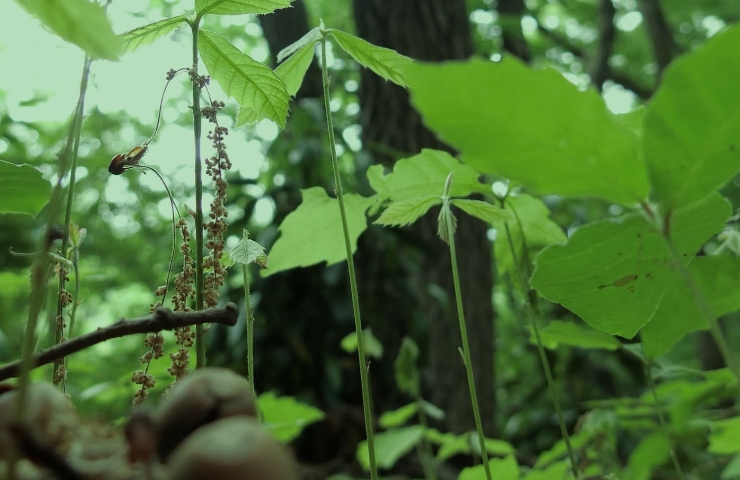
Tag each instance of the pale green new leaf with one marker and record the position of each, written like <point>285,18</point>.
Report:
<point>482,210</point>
<point>373,347</point>
<point>385,62</point>
<point>531,126</point>
<point>148,34</point>
<point>238,7</point>
<point>501,469</point>
<point>82,22</point>
<point>446,223</point>
<point>310,38</point>
<point>725,436</point>
<point>22,189</point>
<point>398,417</point>
<point>406,212</point>
<point>425,174</point>
<point>294,69</point>
<point>692,126</point>
<point>405,369</point>
<point>248,251</point>
<point>614,273</point>
<point>285,417</point>
<point>313,232</point>
<point>390,446</point>
<point>718,281</point>
<point>260,93</point>
<point>531,231</point>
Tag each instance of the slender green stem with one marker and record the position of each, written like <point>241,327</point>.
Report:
<point>351,266</point>
<point>543,357</point>
<point>705,309</point>
<point>426,455</point>
<point>250,329</point>
<point>466,351</point>
<point>661,419</point>
<point>200,353</point>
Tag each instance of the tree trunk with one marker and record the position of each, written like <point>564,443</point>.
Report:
<point>432,30</point>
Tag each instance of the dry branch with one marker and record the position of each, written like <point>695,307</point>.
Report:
<point>161,319</point>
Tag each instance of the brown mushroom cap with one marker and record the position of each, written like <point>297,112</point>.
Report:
<point>232,449</point>
<point>202,397</point>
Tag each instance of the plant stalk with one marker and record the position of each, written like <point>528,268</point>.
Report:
<point>250,329</point>
<point>366,404</point>
<point>661,419</point>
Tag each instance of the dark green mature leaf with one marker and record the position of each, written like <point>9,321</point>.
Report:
<point>390,446</point>
<point>718,281</point>
<point>425,174</point>
<point>148,34</point>
<point>313,232</point>
<point>310,38</point>
<point>531,231</point>
<point>385,62</point>
<point>692,127</point>
<point>22,189</point>
<point>482,210</point>
<point>406,371</point>
<point>81,22</point>
<point>260,93</point>
<point>568,333</point>
<point>613,273</point>
<point>406,212</point>
<point>533,127</point>
<point>239,7</point>
<point>294,69</point>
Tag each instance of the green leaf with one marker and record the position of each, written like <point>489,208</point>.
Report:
<point>148,34</point>
<point>501,469</point>
<point>425,174</point>
<point>385,62</point>
<point>310,38</point>
<point>406,371</point>
<point>373,347</point>
<point>260,93</point>
<point>556,471</point>
<point>248,251</point>
<point>467,444</point>
<point>294,69</point>
<point>446,223</point>
<point>725,436</point>
<point>718,281</point>
<point>285,417</point>
<point>531,231</point>
<point>396,418</point>
<point>732,470</point>
<point>238,7</point>
<point>81,22</point>
<point>22,189</point>
<point>613,273</point>
<point>651,452</point>
<point>390,446</point>
<point>406,212</point>
<point>692,127</point>
<point>313,232</point>
<point>568,333</point>
<point>533,127</point>
<point>483,210</point>
<point>432,410</point>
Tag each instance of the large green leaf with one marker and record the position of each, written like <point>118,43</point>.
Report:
<point>294,69</point>
<point>692,126</point>
<point>260,93</point>
<point>406,212</point>
<point>533,127</point>
<point>309,38</point>
<point>313,232</point>
<point>718,281</point>
<point>650,453</point>
<point>239,7</point>
<point>425,174</point>
<point>384,62</point>
<point>149,34</point>
<point>725,436</point>
<point>22,189</point>
<point>81,22</point>
<point>531,230</point>
<point>614,273</point>
<point>390,446</point>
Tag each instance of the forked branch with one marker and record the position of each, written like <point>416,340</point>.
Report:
<point>161,319</point>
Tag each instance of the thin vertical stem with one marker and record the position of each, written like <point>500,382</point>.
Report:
<point>661,419</point>
<point>366,404</point>
<point>200,353</point>
<point>250,328</point>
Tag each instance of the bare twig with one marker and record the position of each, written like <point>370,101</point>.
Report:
<point>161,319</point>
<point>599,68</point>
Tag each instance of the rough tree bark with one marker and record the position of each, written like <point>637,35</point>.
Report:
<point>432,30</point>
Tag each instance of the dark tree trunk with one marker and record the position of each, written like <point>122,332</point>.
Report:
<point>432,30</point>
